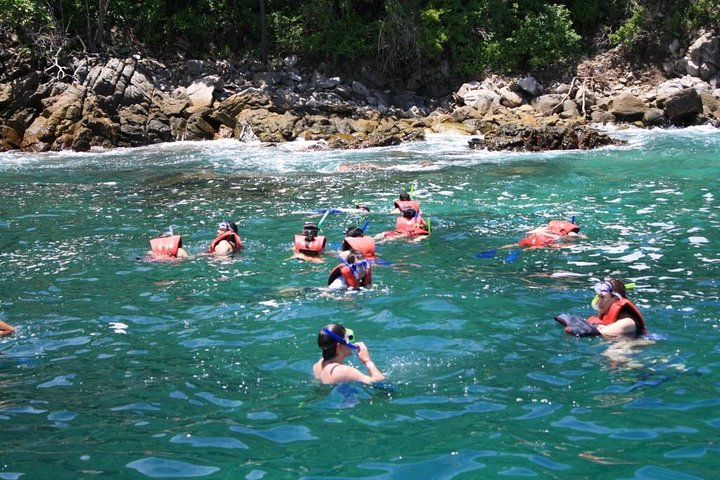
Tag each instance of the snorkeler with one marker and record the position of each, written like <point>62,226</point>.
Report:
<point>359,208</point>
<point>168,245</point>
<point>553,232</point>
<point>355,239</point>
<point>353,272</point>
<point>617,315</point>
<point>409,224</point>
<point>336,343</point>
<point>309,245</point>
<point>227,240</point>
<point>404,202</point>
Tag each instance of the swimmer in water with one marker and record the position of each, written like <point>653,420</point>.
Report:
<point>353,272</point>
<point>617,315</point>
<point>309,245</point>
<point>227,240</point>
<point>168,245</point>
<point>336,343</point>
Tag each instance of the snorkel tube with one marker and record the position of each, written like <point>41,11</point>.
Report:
<point>337,337</point>
<point>323,219</point>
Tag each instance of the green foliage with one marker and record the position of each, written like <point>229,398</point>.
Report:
<point>690,15</point>
<point>335,32</point>
<point>24,13</point>
<point>632,28</point>
<point>287,31</point>
<point>544,37</point>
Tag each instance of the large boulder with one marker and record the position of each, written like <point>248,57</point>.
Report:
<point>548,104</point>
<point>684,106</point>
<point>627,107</point>
<point>201,92</point>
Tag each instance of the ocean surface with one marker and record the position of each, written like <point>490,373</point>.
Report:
<point>201,368</point>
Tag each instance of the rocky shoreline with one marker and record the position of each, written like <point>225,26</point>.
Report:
<point>128,102</point>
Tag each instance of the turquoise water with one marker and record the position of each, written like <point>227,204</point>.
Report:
<point>123,368</point>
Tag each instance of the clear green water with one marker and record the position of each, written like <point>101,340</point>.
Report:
<point>211,375</point>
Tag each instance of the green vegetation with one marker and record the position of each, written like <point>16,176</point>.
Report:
<point>404,37</point>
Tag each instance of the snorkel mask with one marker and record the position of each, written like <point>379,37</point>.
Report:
<point>606,287</point>
<point>349,337</point>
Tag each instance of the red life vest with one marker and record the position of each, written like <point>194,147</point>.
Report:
<point>364,245</point>
<point>405,204</point>
<point>562,227</point>
<point>231,237</point>
<point>350,280</point>
<point>313,248</point>
<point>538,240</point>
<point>614,311</point>
<point>166,246</point>
<point>410,226</point>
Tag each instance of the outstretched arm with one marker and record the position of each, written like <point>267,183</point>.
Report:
<point>6,329</point>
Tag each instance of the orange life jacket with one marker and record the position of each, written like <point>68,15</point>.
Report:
<point>405,204</point>
<point>166,246</point>
<point>410,226</point>
<point>562,227</point>
<point>364,245</point>
<point>538,240</point>
<point>350,279</point>
<point>614,311</point>
<point>231,237</point>
<point>313,248</point>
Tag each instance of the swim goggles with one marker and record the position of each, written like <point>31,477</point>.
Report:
<point>224,225</point>
<point>345,341</point>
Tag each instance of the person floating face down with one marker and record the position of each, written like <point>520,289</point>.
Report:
<point>336,343</point>
<point>355,239</point>
<point>354,272</point>
<point>404,202</point>
<point>617,315</point>
<point>168,245</point>
<point>411,223</point>
<point>554,231</point>
<point>310,243</point>
<point>227,240</point>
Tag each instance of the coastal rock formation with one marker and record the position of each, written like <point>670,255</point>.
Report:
<point>112,102</point>
<point>527,139</point>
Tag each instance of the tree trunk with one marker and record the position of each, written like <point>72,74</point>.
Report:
<point>263,34</point>
<point>103,6</point>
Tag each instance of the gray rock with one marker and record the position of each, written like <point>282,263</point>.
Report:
<point>683,106</point>
<point>531,86</point>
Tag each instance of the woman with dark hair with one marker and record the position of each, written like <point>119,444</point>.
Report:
<point>336,343</point>
<point>617,315</point>
<point>227,240</point>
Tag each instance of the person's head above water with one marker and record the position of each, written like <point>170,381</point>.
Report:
<point>332,335</point>
<point>362,206</point>
<point>310,229</point>
<point>409,213</point>
<point>404,196</point>
<point>354,232</point>
<point>225,226</point>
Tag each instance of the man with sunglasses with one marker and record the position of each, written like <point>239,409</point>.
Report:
<point>336,343</point>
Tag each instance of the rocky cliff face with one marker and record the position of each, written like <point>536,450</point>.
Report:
<point>112,102</point>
